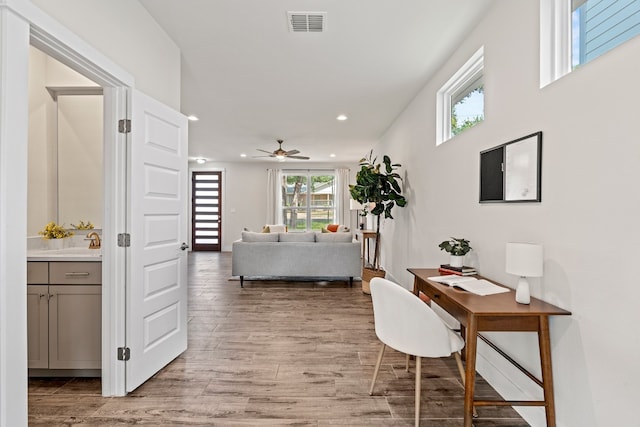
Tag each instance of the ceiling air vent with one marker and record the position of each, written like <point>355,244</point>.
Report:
<point>307,22</point>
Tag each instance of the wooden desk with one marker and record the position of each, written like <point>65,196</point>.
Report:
<point>364,236</point>
<point>493,313</point>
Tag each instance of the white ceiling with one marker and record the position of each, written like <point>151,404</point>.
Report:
<point>251,81</point>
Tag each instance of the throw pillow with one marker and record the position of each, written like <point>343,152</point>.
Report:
<point>332,227</point>
<point>334,237</point>
<point>275,228</point>
<point>250,236</point>
<point>298,237</point>
<point>336,228</point>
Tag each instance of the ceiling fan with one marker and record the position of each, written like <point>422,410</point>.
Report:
<point>281,154</point>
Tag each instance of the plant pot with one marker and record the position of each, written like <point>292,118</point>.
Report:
<point>55,244</point>
<point>456,260</point>
<point>367,275</point>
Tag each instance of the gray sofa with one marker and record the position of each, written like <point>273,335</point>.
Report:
<point>296,255</point>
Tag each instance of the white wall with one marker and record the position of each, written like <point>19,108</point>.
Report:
<point>587,220</point>
<point>244,193</point>
<point>124,31</point>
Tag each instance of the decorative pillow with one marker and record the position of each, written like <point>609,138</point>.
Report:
<point>334,237</point>
<point>275,228</point>
<point>298,237</point>
<point>250,236</point>
<point>336,228</point>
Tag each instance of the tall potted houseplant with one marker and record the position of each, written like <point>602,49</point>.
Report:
<point>378,189</point>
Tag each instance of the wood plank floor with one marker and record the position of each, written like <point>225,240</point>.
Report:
<point>274,354</point>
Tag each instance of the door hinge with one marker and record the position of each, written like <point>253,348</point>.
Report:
<point>124,240</point>
<point>124,126</point>
<point>124,353</point>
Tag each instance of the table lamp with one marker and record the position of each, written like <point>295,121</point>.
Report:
<point>354,205</point>
<point>524,260</point>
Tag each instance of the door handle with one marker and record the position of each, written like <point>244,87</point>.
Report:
<point>184,246</point>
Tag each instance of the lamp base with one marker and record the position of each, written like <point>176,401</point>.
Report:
<point>522,291</point>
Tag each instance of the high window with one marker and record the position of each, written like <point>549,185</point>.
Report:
<point>598,26</point>
<point>574,32</point>
<point>308,199</point>
<point>460,102</point>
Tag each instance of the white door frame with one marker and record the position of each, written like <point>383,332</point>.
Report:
<point>23,24</point>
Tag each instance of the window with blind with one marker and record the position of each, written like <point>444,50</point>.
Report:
<point>598,26</point>
<point>308,200</point>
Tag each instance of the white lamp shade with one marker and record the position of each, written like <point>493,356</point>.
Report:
<point>354,205</point>
<point>524,259</point>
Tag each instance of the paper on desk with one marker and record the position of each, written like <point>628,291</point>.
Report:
<point>477,286</point>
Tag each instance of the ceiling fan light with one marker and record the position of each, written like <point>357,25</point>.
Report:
<point>280,156</point>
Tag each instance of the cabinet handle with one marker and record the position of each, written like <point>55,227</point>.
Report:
<point>77,274</point>
<point>43,295</point>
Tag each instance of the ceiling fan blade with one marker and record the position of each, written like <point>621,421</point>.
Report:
<point>291,153</point>
<point>265,151</point>
<point>298,157</point>
<point>255,157</point>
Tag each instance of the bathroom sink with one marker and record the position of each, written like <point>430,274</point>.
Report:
<point>66,252</point>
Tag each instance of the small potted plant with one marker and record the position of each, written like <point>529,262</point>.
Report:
<point>53,234</point>
<point>458,248</point>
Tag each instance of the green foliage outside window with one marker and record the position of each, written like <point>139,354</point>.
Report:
<point>459,126</point>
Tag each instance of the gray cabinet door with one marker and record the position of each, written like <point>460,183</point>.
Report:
<point>38,325</point>
<point>75,324</point>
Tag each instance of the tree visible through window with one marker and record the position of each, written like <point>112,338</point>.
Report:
<point>308,200</point>
<point>468,111</point>
<point>460,101</point>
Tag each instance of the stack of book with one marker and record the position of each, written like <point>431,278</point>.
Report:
<point>460,271</point>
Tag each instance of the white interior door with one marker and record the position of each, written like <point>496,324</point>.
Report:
<point>157,265</point>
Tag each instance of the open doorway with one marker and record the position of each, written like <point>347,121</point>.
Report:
<point>65,187</point>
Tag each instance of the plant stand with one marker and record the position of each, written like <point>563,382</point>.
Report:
<point>367,275</point>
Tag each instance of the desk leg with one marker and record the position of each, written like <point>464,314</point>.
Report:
<point>544,342</point>
<point>470,374</point>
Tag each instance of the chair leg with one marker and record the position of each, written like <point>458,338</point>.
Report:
<point>462,376</point>
<point>375,371</point>
<point>418,387</point>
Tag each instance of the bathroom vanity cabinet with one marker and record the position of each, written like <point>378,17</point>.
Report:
<point>64,316</point>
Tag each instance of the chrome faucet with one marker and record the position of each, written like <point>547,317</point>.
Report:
<point>95,240</point>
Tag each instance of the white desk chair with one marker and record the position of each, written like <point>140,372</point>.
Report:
<point>405,323</point>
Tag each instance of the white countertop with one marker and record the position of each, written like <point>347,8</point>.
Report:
<point>66,254</point>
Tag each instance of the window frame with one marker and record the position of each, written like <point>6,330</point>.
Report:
<point>463,79</point>
<point>556,41</point>
<point>308,207</point>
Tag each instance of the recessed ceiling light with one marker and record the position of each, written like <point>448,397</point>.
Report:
<point>193,118</point>
<point>332,155</point>
<point>342,117</point>
<point>201,161</point>
<point>243,155</point>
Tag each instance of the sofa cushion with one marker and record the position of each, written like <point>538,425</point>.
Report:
<point>335,228</point>
<point>334,237</point>
<point>274,228</point>
<point>298,237</point>
<point>250,236</point>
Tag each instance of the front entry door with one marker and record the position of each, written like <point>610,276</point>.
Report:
<point>156,331</point>
<point>206,211</point>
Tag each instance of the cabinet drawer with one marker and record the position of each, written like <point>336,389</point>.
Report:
<point>69,273</point>
<point>37,273</point>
